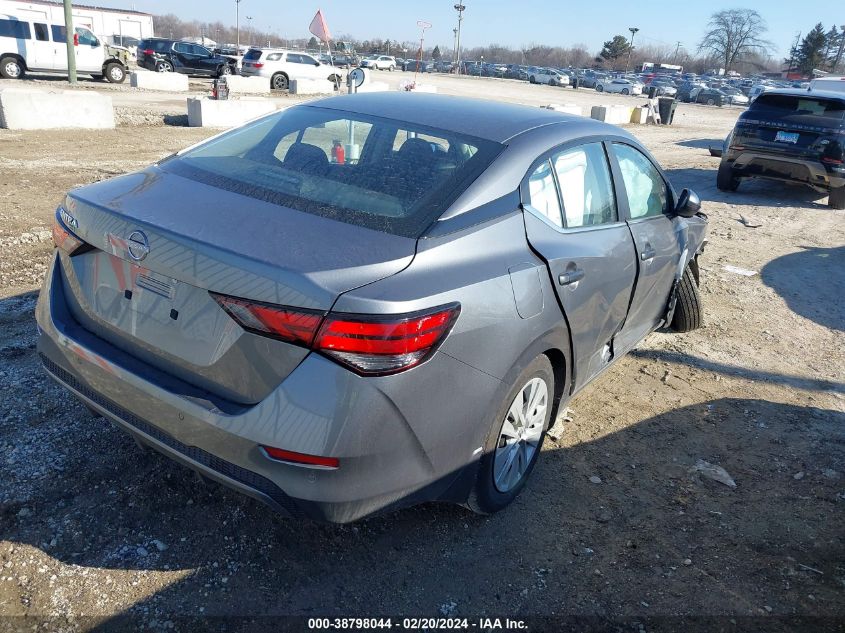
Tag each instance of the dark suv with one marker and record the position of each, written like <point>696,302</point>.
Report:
<point>165,55</point>
<point>791,135</point>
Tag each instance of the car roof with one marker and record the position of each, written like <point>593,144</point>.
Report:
<point>803,92</point>
<point>491,120</point>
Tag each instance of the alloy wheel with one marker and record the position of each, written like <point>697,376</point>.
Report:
<point>519,438</point>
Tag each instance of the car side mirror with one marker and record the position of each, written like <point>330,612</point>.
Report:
<point>688,204</point>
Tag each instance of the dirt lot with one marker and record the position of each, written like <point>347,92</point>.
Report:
<point>90,526</point>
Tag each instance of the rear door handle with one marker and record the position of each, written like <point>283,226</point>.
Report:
<point>647,254</point>
<point>571,276</point>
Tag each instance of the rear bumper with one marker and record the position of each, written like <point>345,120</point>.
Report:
<point>786,168</point>
<point>390,457</point>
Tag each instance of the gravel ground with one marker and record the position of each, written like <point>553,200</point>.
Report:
<point>617,521</point>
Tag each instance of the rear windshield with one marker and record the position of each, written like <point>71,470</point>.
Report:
<point>382,174</point>
<point>252,53</point>
<point>826,110</point>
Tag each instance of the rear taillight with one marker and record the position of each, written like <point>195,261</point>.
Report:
<point>148,51</point>
<point>257,64</point>
<point>63,237</point>
<point>295,326</point>
<point>369,345</point>
<point>379,345</point>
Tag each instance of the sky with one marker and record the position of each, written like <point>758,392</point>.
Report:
<point>514,23</point>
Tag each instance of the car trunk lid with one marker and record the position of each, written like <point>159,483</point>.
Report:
<point>162,243</point>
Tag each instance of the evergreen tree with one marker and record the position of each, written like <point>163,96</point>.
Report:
<point>436,54</point>
<point>811,51</point>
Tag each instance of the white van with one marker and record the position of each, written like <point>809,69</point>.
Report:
<point>831,84</point>
<point>41,47</point>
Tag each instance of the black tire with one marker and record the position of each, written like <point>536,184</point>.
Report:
<point>531,80</point>
<point>164,66</point>
<point>725,179</point>
<point>711,101</point>
<point>224,71</point>
<point>599,88</point>
<point>279,81</point>
<point>391,68</point>
<point>485,498</point>
<point>689,313</point>
<point>11,68</point>
<point>114,73</point>
<point>624,91</point>
<point>836,198</point>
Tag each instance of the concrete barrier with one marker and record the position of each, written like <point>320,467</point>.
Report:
<point>374,86</point>
<point>615,114</point>
<point>311,87</point>
<point>248,85</point>
<point>639,115</point>
<point>171,82</point>
<point>205,112</point>
<point>566,108</point>
<point>33,109</point>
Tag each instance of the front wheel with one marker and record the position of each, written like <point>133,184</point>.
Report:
<point>516,436</point>
<point>164,67</point>
<point>836,198</point>
<point>11,68</point>
<point>599,88</point>
<point>225,70</point>
<point>689,313</point>
<point>114,73</point>
<point>624,91</point>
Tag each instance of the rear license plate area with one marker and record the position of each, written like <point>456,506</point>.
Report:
<point>786,137</point>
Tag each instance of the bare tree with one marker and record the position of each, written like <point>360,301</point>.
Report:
<point>733,33</point>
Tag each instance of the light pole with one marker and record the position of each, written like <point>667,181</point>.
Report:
<point>633,30</point>
<point>238,26</point>
<point>249,28</point>
<point>460,8</point>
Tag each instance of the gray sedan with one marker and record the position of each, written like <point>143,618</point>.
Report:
<point>367,301</point>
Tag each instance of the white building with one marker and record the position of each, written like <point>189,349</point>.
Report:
<point>115,26</point>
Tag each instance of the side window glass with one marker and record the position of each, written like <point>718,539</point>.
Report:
<point>41,33</point>
<point>542,193</point>
<point>59,34</point>
<point>274,57</point>
<point>14,28</point>
<point>293,58</point>
<point>643,183</point>
<point>585,186</point>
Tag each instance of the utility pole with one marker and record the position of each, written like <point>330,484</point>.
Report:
<point>460,8</point>
<point>455,45</point>
<point>71,40</point>
<point>633,30</point>
<point>238,26</point>
<point>677,48</point>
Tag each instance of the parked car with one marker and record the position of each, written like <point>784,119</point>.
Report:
<point>835,84</point>
<point>733,96</point>
<point>590,79</point>
<point>789,135</point>
<point>620,86</point>
<point>41,46</point>
<point>379,62</point>
<point>165,55</point>
<point>711,96</point>
<point>344,61</point>
<point>664,87</point>
<point>547,76</point>
<point>421,66</point>
<point>341,338</point>
<point>281,66</point>
<point>756,90</point>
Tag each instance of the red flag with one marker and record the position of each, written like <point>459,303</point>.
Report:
<point>319,27</point>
